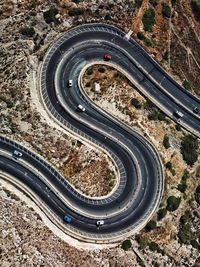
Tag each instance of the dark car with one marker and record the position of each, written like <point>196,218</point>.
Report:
<point>196,110</point>
<point>107,57</point>
<point>67,218</point>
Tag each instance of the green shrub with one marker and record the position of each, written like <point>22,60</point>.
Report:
<point>141,36</point>
<point>185,234</point>
<point>148,19</point>
<point>186,85</point>
<point>166,143</point>
<point>156,115</point>
<point>182,187</point>
<point>196,8</point>
<point>195,244</point>
<point>166,10</point>
<point>143,242</point>
<point>50,15</point>
<point>197,194</point>
<point>185,175</point>
<point>28,31</point>
<point>101,69</point>
<point>166,55</point>
<point>186,217</point>
<point>178,127</point>
<point>148,104</point>
<point>76,11</point>
<point>168,165</point>
<point>161,213</point>
<point>151,225</point>
<point>126,245</point>
<point>150,42</point>
<point>136,103</point>
<point>189,149</point>
<point>153,246</point>
<point>138,3</point>
<point>153,2</point>
<point>173,203</point>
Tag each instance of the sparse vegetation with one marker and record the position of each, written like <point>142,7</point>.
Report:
<point>138,3</point>
<point>149,19</point>
<point>197,194</point>
<point>156,114</point>
<point>143,242</point>
<point>185,234</point>
<point>76,11</point>
<point>153,2</point>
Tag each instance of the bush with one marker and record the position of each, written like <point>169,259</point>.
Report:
<point>186,217</point>
<point>138,3</point>
<point>151,225</point>
<point>27,31</point>
<point>197,194</point>
<point>182,187</point>
<point>156,115</point>
<point>101,69</point>
<point>185,176</point>
<point>150,42</point>
<point>195,244</point>
<point>148,19</point>
<point>143,242</point>
<point>189,149</point>
<point>185,234</point>
<point>50,15</point>
<point>173,203</point>
<point>168,165</point>
<point>166,143</point>
<point>153,2</point>
<point>126,245</point>
<point>136,103</point>
<point>166,10</point>
<point>161,213</point>
<point>186,85</point>
<point>141,36</point>
<point>153,246</point>
<point>89,71</point>
<point>166,55</point>
<point>148,104</point>
<point>178,127</point>
<point>196,8</point>
<point>76,11</point>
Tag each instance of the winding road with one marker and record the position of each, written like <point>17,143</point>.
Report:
<point>141,181</point>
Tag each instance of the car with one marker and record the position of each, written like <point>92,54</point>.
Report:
<point>67,218</point>
<point>100,222</point>
<point>107,57</point>
<point>178,114</point>
<point>80,108</point>
<point>196,110</point>
<point>70,83</point>
<point>18,154</point>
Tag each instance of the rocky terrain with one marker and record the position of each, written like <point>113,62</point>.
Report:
<point>27,28</point>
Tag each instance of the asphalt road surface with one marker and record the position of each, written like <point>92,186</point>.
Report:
<point>140,188</point>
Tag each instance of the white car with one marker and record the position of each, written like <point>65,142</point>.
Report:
<point>100,222</point>
<point>70,83</point>
<point>16,153</point>
<point>80,107</point>
<point>178,114</point>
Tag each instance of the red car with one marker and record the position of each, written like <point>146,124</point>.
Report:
<point>107,57</point>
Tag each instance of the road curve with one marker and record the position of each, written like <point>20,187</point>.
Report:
<point>140,188</point>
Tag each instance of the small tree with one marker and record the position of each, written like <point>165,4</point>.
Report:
<point>126,244</point>
<point>186,85</point>
<point>166,143</point>
<point>143,242</point>
<point>189,149</point>
<point>161,213</point>
<point>50,15</point>
<point>148,19</point>
<point>166,10</point>
<point>151,225</point>
<point>28,31</point>
<point>173,203</point>
<point>197,194</point>
<point>169,165</point>
<point>136,103</point>
<point>141,36</point>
